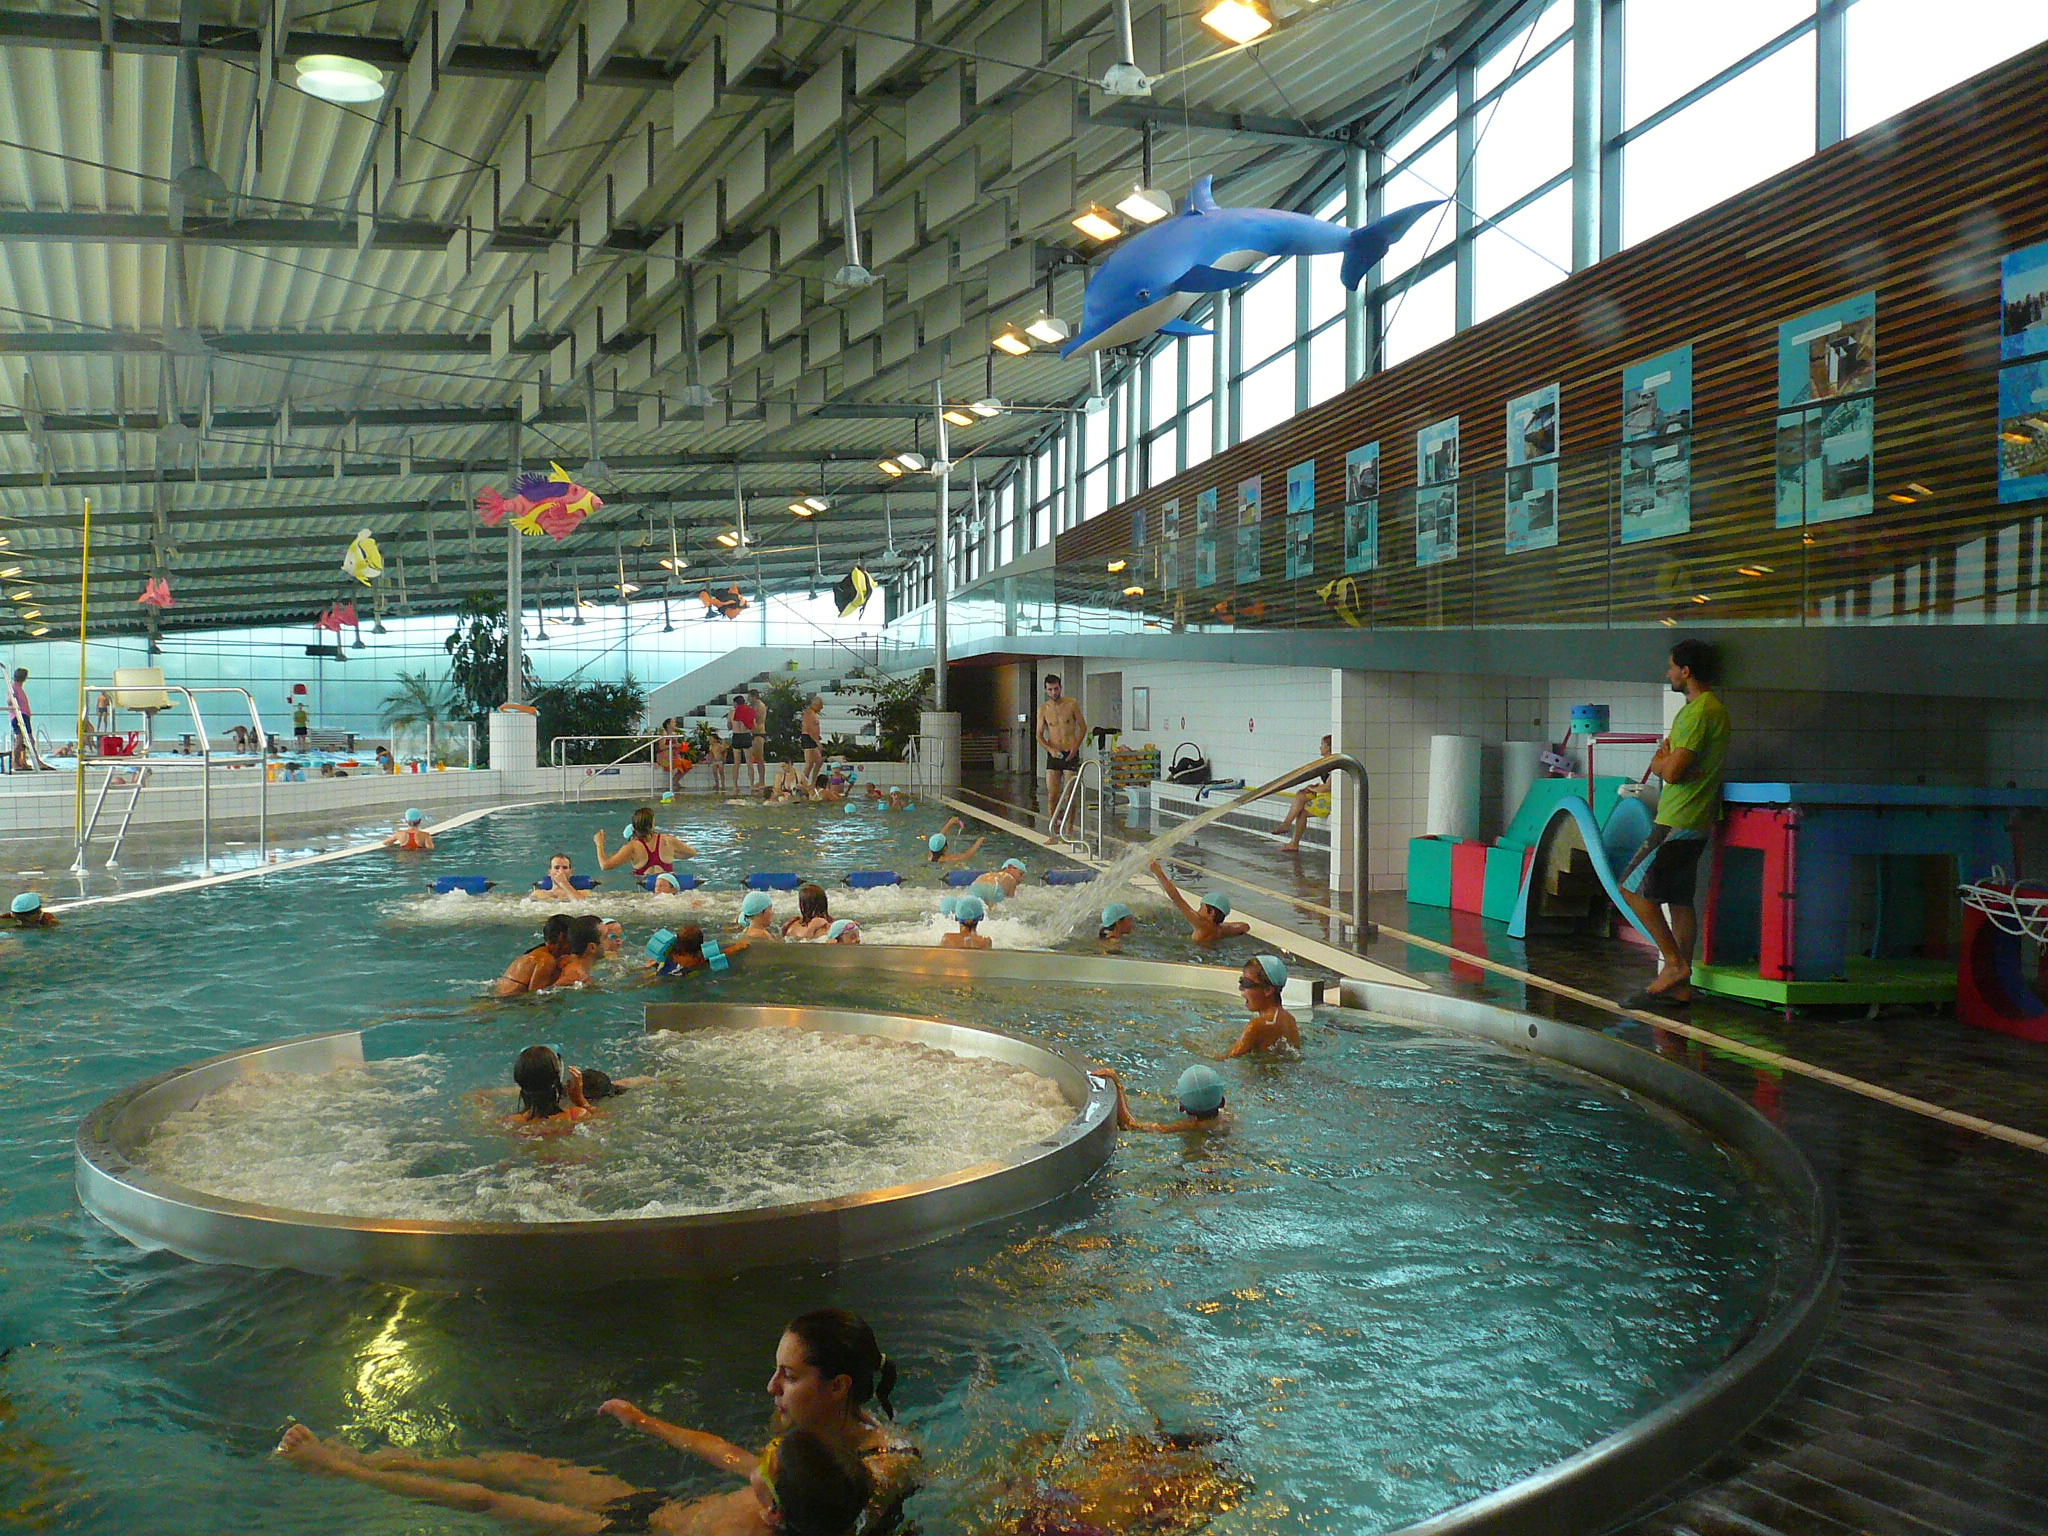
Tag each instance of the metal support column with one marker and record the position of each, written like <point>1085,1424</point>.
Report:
<point>1586,73</point>
<point>942,555</point>
<point>1830,59</point>
<point>515,669</point>
<point>1357,356</point>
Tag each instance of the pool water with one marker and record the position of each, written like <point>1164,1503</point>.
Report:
<point>1419,1268</point>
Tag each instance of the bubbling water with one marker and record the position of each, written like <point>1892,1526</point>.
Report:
<point>732,1119</point>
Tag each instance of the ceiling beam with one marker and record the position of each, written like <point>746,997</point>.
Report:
<point>1242,125</point>
<point>455,416</point>
<point>263,343</point>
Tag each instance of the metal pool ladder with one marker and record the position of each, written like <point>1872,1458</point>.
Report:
<point>1073,806</point>
<point>146,766</point>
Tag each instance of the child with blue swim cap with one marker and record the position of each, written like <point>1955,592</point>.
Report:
<point>412,833</point>
<point>758,913</point>
<point>940,843</point>
<point>27,911</point>
<point>844,930</point>
<point>1010,876</point>
<point>1117,920</point>
<point>1207,923</point>
<point>968,912</point>
<point>1271,1026</point>
<point>1200,1094</point>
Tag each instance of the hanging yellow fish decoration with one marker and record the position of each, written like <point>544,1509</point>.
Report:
<point>364,560</point>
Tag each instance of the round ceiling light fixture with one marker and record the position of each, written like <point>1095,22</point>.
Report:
<point>336,77</point>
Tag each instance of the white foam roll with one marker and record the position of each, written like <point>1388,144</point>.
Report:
<point>1453,787</point>
<point>1521,765</point>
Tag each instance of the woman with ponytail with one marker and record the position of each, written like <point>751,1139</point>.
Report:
<point>828,1368</point>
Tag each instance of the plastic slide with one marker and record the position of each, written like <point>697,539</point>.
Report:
<point>1608,850</point>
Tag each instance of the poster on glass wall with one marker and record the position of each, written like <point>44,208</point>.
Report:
<point>1249,512</point>
<point>1205,560</point>
<point>1362,509</point>
<point>1137,527</point>
<point>2023,432</point>
<point>1827,421</point>
<point>2023,303</point>
<point>1301,519</point>
<point>1205,510</point>
<point>1169,567</point>
<point>1656,454</point>
<point>1169,520</point>
<point>1531,479</point>
<point>1436,496</point>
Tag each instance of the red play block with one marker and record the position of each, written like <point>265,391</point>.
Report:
<point>1468,877</point>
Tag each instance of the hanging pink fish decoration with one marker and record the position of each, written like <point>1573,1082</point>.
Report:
<point>156,593</point>
<point>541,505</point>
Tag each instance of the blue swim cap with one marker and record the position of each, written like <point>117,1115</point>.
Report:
<point>1219,904</point>
<point>1016,864</point>
<point>839,926</point>
<point>629,834</point>
<point>936,842</point>
<point>25,903</point>
<point>756,903</point>
<point>415,815</point>
<point>1115,913</point>
<point>948,906</point>
<point>852,806</point>
<point>658,945</point>
<point>1274,967</point>
<point>1200,1090</point>
<point>970,910</point>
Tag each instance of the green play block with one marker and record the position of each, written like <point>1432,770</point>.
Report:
<point>1503,887</point>
<point>1429,870</point>
<point>1868,981</point>
<point>1541,802</point>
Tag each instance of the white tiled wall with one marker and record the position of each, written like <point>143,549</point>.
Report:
<point>1252,722</point>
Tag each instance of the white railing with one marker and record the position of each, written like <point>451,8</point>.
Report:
<point>558,760</point>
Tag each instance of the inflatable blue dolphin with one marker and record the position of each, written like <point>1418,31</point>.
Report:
<point>1147,283</point>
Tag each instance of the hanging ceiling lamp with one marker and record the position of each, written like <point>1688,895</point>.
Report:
<point>1238,21</point>
<point>336,77</point>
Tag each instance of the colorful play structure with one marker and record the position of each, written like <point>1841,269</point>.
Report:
<point>1815,893</point>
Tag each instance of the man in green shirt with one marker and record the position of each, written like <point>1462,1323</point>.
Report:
<point>1664,870</point>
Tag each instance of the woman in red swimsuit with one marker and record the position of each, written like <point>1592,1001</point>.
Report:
<point>652,854</point>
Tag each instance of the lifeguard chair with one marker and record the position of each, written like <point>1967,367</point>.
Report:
<point>141,689</point>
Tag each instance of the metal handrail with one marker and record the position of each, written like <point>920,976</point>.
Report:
<point>146,766</point>
<point>556,761</point>
<point>1073,802</point>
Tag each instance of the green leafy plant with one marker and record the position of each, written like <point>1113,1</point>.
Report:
<point>894,704</point>
<point>418,700</point>
<point>478,653</point>
<point>589,709</point>
<point>783,703</point>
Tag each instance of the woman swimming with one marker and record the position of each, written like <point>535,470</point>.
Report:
<point>828,1367</point>
<point>652,854</point>
<point>554,1096</point>
<point>798,1486</point>
<point>813,914</point>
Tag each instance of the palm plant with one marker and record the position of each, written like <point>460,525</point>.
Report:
<point>417,700</point>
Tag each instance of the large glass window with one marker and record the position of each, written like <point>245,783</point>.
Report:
<point>1199,432</point>
<point>1673,46</point>
<point>1265,397</point>
<point>1522,255</point>
<point>1432,175</point>
<point>1521,46</point>
<point>1754,126</point>
<point>1325,364</point>
<point>1896,57</point>
<point>1419,317</point>
<point>1525,134</point>
<point>1266,314</point>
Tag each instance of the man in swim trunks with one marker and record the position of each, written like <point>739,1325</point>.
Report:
<point>811,736</point>
<point>535,971</point>
<point>559,885</point>
<point>799,1487</point>
<point>586,948</point>
<point>1061,730</point>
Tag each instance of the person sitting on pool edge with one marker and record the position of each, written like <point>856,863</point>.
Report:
<point>1199,1093</point>
<point>1271,1025</point>
<point>586,949</point>
<point>560,882</point>
<point>828,1368</point>
<point>968,913</point>
<point>1117,920</point>
<point>412,833</point>
<point>844,930</point>
<point>813,913</point>
<point>757,914</point>
<point>1206,923</point>
<point>799,1486</point>
<point>27,911</point>
<point>675,951</point>
<point>535,970</point>
<point>653,855</point>
<point>940,839</point>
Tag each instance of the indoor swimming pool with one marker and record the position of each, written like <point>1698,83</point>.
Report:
<point>1421,1266</point>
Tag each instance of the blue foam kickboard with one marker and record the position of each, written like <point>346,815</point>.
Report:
<point>473,885</point>
<point>774,880</point>
<point>963,876</point>
<point>1069,876</point>
<point>867,879</point>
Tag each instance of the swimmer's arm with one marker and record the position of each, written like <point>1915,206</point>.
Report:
<point>1232,930</point>
<point>1246,1042</point>
<point>953,824</point>
<point>722,1454</point>
<point>572,1090</point>
<point>682,847</point>
<point>427,841</point>
<point>611,860</point>
<point>1173,893</point>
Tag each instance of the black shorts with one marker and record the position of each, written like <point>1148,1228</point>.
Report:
<point>1063,762</point>
<point>808,742</point>
<point>742,740</point>
<point>1666,871</point>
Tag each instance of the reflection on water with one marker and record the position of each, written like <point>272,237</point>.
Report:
<point>1423,1267</point>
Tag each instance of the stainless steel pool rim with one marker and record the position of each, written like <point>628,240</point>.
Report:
<point>155,1212</point>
